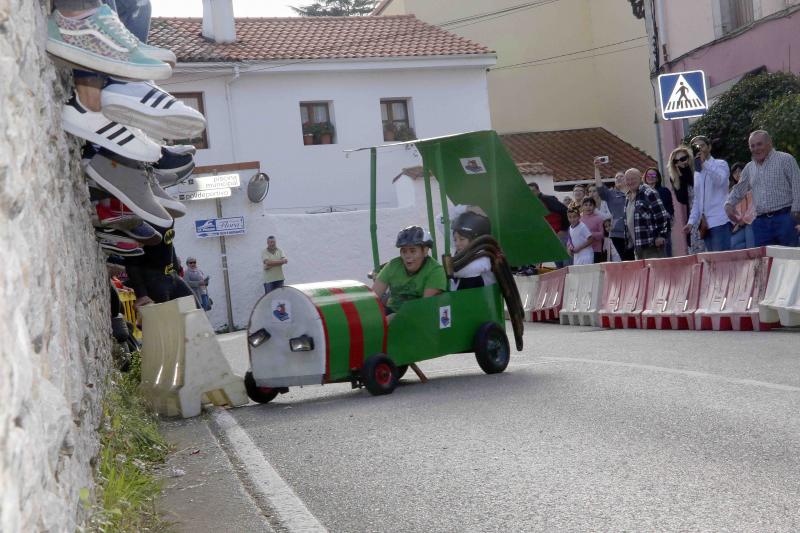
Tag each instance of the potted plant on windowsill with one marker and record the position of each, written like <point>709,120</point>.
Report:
<point>326,131</point>
<point>389,132</point>
<point>308,133</point>
<point>404,133</point>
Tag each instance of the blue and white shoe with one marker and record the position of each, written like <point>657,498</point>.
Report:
<point>146,106</point>
<point>173,167</point>
<point>101,42</point>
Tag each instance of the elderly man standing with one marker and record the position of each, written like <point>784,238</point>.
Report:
<point>615,198</point>
<point>774,179</point>
<point>710,191</point>
<point>646,218</point>
<point>273,260</point>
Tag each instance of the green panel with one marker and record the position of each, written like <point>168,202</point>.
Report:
<point>338,331</point>
<point>371,319</point>
<point>415,335</point>
<point>517,215</point>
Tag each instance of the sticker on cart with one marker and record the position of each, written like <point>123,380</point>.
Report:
<point>281,311</point>
<point>473,165</point>
<point>445,321</point>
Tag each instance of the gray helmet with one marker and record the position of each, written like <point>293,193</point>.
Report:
<point>471,225</point>
<point>414,236</point>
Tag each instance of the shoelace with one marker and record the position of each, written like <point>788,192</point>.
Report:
<point>129,39</point>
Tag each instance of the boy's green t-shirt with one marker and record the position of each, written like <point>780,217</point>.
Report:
<point>405,287</point>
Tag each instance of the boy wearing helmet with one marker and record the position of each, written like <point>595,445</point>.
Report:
<point>467,227</point>
<point>412,275</point>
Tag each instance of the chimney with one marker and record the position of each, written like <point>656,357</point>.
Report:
<point>218,24</point>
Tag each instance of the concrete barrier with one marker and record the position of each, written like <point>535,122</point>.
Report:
<point>732,285</point>
<point>673,289</point>
<point>781,302</point>
<point>183,365</point>
<point>548,296</point>
<point>583,289</point>
<point>623,294</point>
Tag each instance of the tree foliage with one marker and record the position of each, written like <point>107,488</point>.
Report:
<point>730,120</point>
<point>781,118</point>
<point>336,8</point>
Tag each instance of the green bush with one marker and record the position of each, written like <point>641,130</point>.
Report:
<point>730,119</point>
<point>781,118</point>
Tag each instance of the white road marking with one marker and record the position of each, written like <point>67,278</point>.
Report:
<point>692,373</point>
<point>268,485</point>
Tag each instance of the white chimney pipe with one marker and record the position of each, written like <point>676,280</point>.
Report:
<point>218,24</point>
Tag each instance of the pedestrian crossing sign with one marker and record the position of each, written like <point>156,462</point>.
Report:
<point>683,94</point>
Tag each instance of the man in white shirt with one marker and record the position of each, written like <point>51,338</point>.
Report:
<point>710,193</point>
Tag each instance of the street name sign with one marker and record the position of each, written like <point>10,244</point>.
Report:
<point>205,183</point>
<point>219,227</point>
<point>201,195</point>
<point>683,94</point>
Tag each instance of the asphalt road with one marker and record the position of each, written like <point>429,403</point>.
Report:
<point>587,430</point>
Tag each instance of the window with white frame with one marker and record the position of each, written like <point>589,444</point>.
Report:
<point>735,14</point>
<point>317,123</point>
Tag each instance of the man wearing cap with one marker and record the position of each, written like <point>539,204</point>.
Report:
<point>273,259</point>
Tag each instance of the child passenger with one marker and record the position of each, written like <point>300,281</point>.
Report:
<point>580,240</point>
<point>467,227</point>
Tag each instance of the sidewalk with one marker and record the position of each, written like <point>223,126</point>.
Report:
<point>202,491</point>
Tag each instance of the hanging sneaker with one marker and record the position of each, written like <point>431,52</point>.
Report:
<point>150,108</point>
<point>113,245</point>
<point>112,218</point>
<point>101,42</point>
<point>173,206</point>
<point>129,185</point>
<point>94,127</point>
<point>143,233</point>
<point>114,235</point>
<point>173,167</point>
<point>181,149</point>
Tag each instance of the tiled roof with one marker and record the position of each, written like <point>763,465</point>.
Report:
<point>569,153</point>
<point>266,39</point>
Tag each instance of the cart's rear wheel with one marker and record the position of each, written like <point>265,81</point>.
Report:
<point>491,348</point>
<point>379,375</point>
<point>256,393</point>
<point>401,371</point>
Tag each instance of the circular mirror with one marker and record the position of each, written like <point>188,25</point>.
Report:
<point>258,187</point>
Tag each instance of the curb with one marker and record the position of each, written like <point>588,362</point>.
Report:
<point>260,479</point>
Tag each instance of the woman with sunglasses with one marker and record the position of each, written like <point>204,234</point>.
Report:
<point>681,172</point>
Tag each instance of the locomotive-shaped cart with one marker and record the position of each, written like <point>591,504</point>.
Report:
<point>336,331</point>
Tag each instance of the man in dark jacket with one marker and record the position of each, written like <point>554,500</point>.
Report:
<point>646,218</point>
<point>557,218</point>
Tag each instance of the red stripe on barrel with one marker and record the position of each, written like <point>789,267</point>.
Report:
<point>354,326</point>
<point>327,344</point>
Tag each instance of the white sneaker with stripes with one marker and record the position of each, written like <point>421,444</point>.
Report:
<point>145,105</point>
<point>126,141</point>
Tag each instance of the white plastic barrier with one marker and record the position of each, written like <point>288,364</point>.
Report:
<point>583,290</point>
<point>182,363</point>
<point>526,286</point>
<point>782,299</point>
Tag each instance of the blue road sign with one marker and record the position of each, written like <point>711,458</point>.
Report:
<point>683,94</point>
<point>219,227</point>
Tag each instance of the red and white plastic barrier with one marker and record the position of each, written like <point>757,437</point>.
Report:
<point>732,284</point>
<point>583,289</point>
<point>673,288</point>
<point>781,300</point>
<point>623,295</point>
<point>548,296</point>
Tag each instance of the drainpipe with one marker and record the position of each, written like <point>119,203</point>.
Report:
<point>654,22</point>
<point>222,248</point>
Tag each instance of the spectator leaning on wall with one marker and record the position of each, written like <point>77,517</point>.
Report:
<point>273,259</point>
<point>774,179</point>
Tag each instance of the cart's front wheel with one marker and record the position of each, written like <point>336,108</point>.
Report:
<point>379,375</point>
<point>256,393</point>
<point>491,348</point>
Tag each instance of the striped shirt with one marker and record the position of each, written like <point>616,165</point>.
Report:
<point>775,184</point>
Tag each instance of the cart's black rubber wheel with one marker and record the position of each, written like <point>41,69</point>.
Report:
<point>379,375</point>
<point>256,393</point>
<point>491,348</point>
<point>401,371</point>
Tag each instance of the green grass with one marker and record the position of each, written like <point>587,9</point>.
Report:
<point>131,447</point>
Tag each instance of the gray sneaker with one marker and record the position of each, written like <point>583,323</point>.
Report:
<point>130,185</point>
<point>173,206</point>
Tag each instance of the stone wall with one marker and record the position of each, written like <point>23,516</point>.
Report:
<point>54,326</point>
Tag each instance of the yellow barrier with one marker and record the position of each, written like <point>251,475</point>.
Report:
<point>128,301</point>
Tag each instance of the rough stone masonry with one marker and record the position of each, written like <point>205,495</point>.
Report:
<point>54,318</point>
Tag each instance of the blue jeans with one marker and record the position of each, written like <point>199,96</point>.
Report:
<point>743,238</point>
<point>204,302</point>
<point>271,286</point>
<point>777,229</point>
<point>718,238</point>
